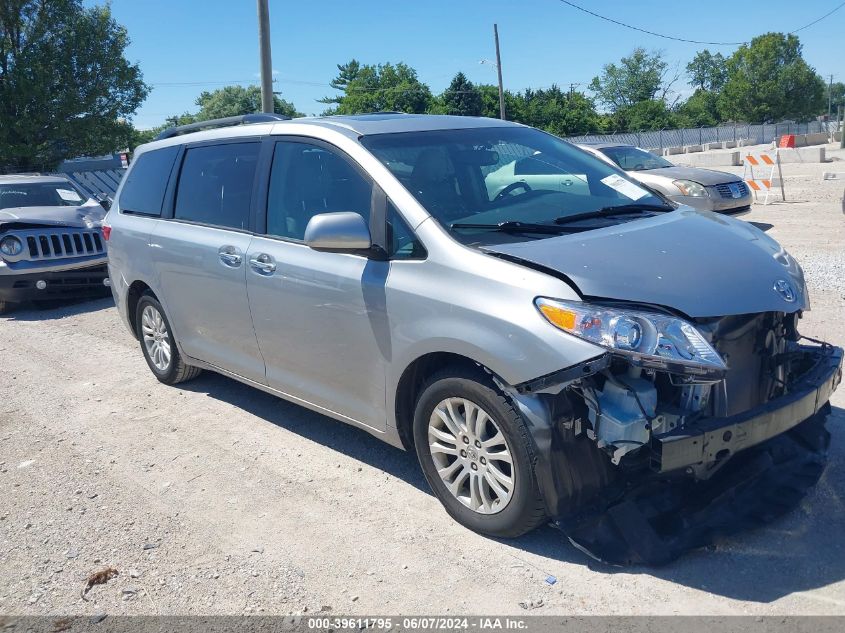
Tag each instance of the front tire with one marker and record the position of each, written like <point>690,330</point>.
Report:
<point>159,346</point>
<point>475,454</point>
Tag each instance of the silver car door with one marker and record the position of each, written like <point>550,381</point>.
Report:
<point>201,257</point>
<point>319,316</point>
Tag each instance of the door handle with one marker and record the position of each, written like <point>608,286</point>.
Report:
<point>230,256</point>
<point>263,264</point>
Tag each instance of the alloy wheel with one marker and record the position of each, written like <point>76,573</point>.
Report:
<point>471,455</point>
<point>156,338</point>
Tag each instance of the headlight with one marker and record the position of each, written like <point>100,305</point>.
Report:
<point>11,246</point>
<point>647,339</point>
<point>690,188</point>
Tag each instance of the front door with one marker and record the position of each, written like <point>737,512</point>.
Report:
<point>201,257</point>
<point>319,317</point>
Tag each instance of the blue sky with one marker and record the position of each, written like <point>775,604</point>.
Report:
<point>187,46</point>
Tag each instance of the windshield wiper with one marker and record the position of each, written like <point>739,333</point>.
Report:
<point>514,226</point>
<point>620,209</point>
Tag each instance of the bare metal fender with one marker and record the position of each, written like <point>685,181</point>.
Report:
<point>700,263</point>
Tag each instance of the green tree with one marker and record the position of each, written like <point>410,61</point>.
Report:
<point>707,71</point>
<point>768,80</point>
<point>236,100</point>
<point>376,88</point>
<point>702,108</point>
<point>66,88</point>
<point>561,113</point>
<point>837,92</point>
<point>345,74</point>
<point>462,97</point>
<point>642,76</point>
<point>651,114</point>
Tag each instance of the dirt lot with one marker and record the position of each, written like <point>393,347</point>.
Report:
<point>218,499</point>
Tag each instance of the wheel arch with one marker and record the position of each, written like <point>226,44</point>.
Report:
<point>412,380</point>
<point>137,289</point>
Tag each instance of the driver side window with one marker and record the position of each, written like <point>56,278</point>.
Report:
<point>308,179</point>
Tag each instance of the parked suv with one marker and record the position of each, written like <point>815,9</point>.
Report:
<point>591,355</point>
<point>51,245</point>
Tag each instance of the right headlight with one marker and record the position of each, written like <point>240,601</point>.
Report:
<point>690,188</point>
<point>647,339</point>
<point>10,246</point>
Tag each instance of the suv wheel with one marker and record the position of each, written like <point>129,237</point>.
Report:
<point>474,451</point>
<point>158,344</point>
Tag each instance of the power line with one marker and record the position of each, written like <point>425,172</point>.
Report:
<point>820,19</point>
<point>682,39</point>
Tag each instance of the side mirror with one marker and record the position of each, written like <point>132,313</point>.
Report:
<point>341,232</point>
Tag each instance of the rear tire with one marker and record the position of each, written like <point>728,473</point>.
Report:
<point>158,345</point>
<point>475,453</point>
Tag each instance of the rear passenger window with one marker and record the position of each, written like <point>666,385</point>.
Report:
<point>143,191</point>
<point>307,180</point>
<point>215,184</point>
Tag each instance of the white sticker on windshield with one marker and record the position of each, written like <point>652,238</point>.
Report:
<point>625,187</point>
<point>69,195</point>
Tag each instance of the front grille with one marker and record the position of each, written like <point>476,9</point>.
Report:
<point>47,244</point>
<point>725,189</point>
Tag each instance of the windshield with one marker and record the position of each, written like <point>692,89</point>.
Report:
<point>495,175</point>
<point>40,194</point>
<point>632,158</point>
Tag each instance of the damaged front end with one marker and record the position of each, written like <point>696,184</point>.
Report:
<point>641,457</point>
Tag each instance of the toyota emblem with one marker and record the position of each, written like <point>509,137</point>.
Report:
<point>785,290</point>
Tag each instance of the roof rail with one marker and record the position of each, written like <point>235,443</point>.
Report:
<point>242,119</point>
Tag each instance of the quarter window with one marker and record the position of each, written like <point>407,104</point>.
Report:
<point>215,185</point>
<point>143,191</point>
<point>401,239</point>
<point>307,180</point>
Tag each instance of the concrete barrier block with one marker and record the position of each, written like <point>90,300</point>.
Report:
<point>655,150</point>
<point>837,136</point>
<point>728,144</point>
<point>690,149</point>
<point>671,151</point>
<point>817,138</point>
<point>711,159</point>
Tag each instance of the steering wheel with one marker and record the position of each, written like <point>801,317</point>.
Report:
<point>639,167</point>
<point>519,184</point>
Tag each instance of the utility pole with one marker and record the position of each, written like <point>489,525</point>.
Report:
<point>829,96</point>
<point>841,116</point>
<point>266,61</point>
<point>499,70</point>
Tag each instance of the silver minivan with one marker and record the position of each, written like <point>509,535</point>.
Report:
<point>590,355</point>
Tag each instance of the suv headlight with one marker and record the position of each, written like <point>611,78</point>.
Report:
<point>646,339</point>
<point>691,188</point>
<point>11,246</point>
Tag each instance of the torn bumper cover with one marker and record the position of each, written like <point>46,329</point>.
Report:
<point>761,464</point>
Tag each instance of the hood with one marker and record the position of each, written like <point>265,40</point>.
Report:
<point>706,177</point>
<point>699,263</point>
<point>87,216</point>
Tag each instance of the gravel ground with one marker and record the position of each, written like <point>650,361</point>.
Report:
<point>219,499</point>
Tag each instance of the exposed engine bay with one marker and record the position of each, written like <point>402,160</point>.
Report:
<point>627,405</point>
<point>683,458</point>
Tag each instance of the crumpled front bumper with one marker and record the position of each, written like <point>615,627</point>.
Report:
<point>715,439</point>
<point>762,463</point>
